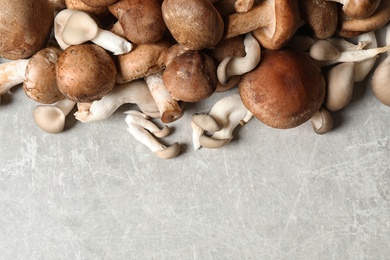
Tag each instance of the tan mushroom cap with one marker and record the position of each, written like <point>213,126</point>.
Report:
<point>190,77</point>
<point>85,73</point>
<point>360,9</point>
<point>25,27</point>
<point>141,20</point>
<point>40,83</point>
<point>194,23</point>
<point>285,90</point>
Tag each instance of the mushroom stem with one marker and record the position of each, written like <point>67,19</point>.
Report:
<point>169,108</point>
<point>322,121</point>
<point>233,66</point>
<point>51,118</point>
<point>12,73</point>
<point>228,113</point>
<point>135,92</point>
<point>136,126</point>
<point>112,42</point>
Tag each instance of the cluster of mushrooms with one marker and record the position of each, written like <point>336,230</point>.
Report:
<point>291,61</point>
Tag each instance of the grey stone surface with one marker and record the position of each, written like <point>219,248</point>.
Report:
<point>94,192</point>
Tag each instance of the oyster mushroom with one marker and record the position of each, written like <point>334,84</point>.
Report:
<point>141,128</point>
<point>285,90</point>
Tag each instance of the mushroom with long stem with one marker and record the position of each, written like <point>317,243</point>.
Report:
<point>223,118</point>
<point>12,73</point>
<point>51,118</point>
<point>73,27</point>
<point>141,128</point>
<point>135,92</point>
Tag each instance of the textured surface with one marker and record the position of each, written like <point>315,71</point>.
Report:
<point>93,192</point>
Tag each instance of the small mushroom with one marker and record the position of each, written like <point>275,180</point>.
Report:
<point>271,22</point>
<point>12,73</point>
<point>194,23</point>
<point>135,92</point>
<point>224,117</point>
<point>322,121</point>
<point>142,129</point>
<point>80,27</point>
<point>358,9</point>
<point>85,73</point>
<point>233,66</point>
<point>169,108</point>
<point>285,90</point>
<point>141,20</point>
<point>25,27</point>
<point>51,118</point>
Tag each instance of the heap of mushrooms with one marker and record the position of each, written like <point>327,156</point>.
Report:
<point>286,62</point>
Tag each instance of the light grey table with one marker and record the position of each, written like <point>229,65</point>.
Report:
<point>94,192</point>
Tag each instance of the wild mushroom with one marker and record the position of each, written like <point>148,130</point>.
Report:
<point>80,27</point>
<point>169,108</point>
<point>144,59</point>
<point>321,16</point>
<point>40,82</point>
<point>357,9</point>
<point>380,82</point>
<point>12,73</point>
<point>135,92</point>
<point>322,121</point>
<point>25,27</point>
<point>141,128</point>
<point>224,117</point>
<point>232,66</point>
<point>194,23</point>
<point>190,77</point>
<point>51,118</point>
<point>272,22</point>
<point>85,73</point>
<point>141,20</point>
<point>339,86</point>
<point>285,90</point>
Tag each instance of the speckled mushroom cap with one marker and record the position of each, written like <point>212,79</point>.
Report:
<point>25,26</point>
<point>40,83</point>
<point>285,90</point>
<point>85,73</point>
<point>190,77</point>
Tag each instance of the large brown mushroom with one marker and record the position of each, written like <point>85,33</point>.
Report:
<point>85,73</point>
<point>25,26</point>
<point>285,90</point>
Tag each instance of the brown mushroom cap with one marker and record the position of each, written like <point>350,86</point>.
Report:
<point>141,20</point>
<point>85,72</point>
<point>190,77</point>
<point>194,23</point>
<point>98,3</point>
<point>40,83</point>
<point>360,9</point>
<point>285,90</point>
<point>25,26</point>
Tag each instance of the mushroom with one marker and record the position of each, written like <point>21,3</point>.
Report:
<point>141,20</point>
<point>358,9</point>
<point>141,128</point>
<point>101,13</point>
<point>322,121</point>
<point>224,117</point>
<point>144,59</point>
<point>242,6</point>
<point>339,86</point>
<point>321,16</point>
<point>285,90</point>
<point>85,73</point>
<point>169,108</point>
<point>380,81</point>
<point>272,22</point>
<point>80,27</point>
<point>194,23</point>
<point>135,92</point>
<point>190,77</point>
<point>51,118</point>
<point>25,27</point>
<point>58,5</point>
<point>12,73</point>
<point>98,3</point>
<point>40,76</point>
<point>233,66</point>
